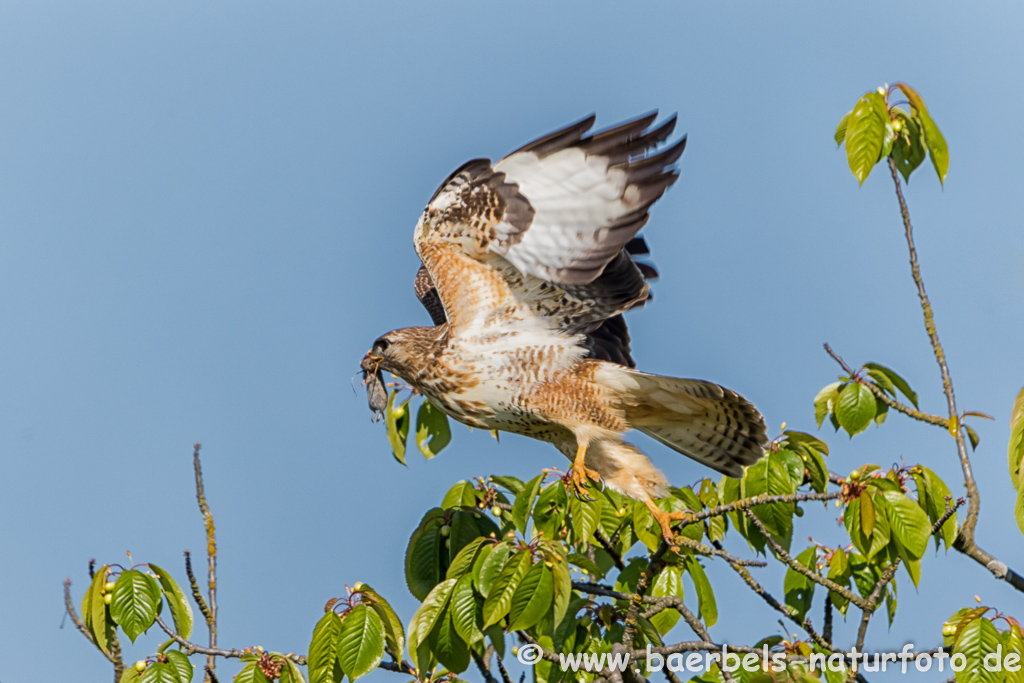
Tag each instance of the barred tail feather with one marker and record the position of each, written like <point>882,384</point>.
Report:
<point>711,424</point>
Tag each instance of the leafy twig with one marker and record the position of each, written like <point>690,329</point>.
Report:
<point>885,398</point>
<point>114,653</point>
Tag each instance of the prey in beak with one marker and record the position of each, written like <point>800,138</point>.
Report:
<point>376,391</point>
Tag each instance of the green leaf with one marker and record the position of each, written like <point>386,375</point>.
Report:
<point>855,408</point>
<point>94,610</point>
<point>323,650</point>
<point>865,134</point>
<point>466,558</point>
<point>449,648</point>
<point>291,672</point>
<point>881,410</point>
<point>180,662</point>
<point>705,596</point>
<point>422,623</point>
<point>1014,641</point>
<point>898,381</point>
<point>397,420</point>
<point>973,437</point>
<point>486,569</point>
<point>512,484</point>
<point>360,642</point>
<point>936,492</point>
<point>532,599</point>
<point>938,151</point>
<point>1015,449</point>
<point>976,640</point>
<point>134,602</point>
<point>464,530</point>
<point>461,494</point>
<point>909,148</point>
<point>802,442</point>
<point>523,507</point>
<point>798,588</point>
<point>585,517</point>
<point>499,599</point>
<point>867,514</point>
<point>824,402</point>
<point>165,672</point>
<point>882,380</point>
<point>772,476</point>
<point>250,673</point>
<point>463,608</point>
<point>1018,509</point>
<point>562,587</point>
<point>394,634</point>
<point>909,523</point>
<point>423,555</point>
<point>841,128</point>
<point>933,138</point>
<point>667,582</point>
<point>432,430</point>
<point>130,675</point>
<point>890,135</point>
<point>181,610</point>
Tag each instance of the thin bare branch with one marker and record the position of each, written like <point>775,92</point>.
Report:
<point>485,671</point>
<point>756,501</point>
<point>197,594</point>
<point>799,568</point>
<point>885,398</point>
<point>211,555</point>
<point>965,540</point>
<point>113,655</point>
<point>780,608</point>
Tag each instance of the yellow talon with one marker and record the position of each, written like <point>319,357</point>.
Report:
<point>665,520</point>
<point>581,475</point>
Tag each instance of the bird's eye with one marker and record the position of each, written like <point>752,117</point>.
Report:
<point>381,344</point>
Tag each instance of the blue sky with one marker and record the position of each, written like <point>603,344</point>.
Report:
<point>206,214</point>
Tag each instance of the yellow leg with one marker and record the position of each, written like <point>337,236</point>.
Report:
<point>580,474</point>
<point>665,520</point>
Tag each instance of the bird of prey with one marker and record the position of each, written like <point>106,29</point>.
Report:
<point>528,266</point>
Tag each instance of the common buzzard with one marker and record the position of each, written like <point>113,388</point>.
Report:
<point>528,266</point>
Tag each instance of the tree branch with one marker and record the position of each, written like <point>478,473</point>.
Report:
<point>780,608</point>
<point>885,398</point>
<point>756,501</point>
<point>211,556</point>
<point>197,595</point>
<point>484,670</point>
<point>965,540</point>
<point>799,568</point>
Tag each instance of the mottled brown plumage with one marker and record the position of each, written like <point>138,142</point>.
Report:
<point>528,266</point>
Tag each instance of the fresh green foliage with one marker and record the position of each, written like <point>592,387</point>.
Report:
<point>432,434</point>
<point>1016,455</point>
<point>877,129</point>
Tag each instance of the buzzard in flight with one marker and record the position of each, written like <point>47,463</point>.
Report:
<point>528,266</point>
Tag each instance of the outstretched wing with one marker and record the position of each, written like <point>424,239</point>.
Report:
<point>541,236</point>
<point>608,342</point>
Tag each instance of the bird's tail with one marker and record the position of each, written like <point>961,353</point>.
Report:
<point>709,423</point>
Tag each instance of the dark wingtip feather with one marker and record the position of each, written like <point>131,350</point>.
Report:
<point>560,139</point>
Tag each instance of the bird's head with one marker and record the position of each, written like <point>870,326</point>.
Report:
<point>400,352</point>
